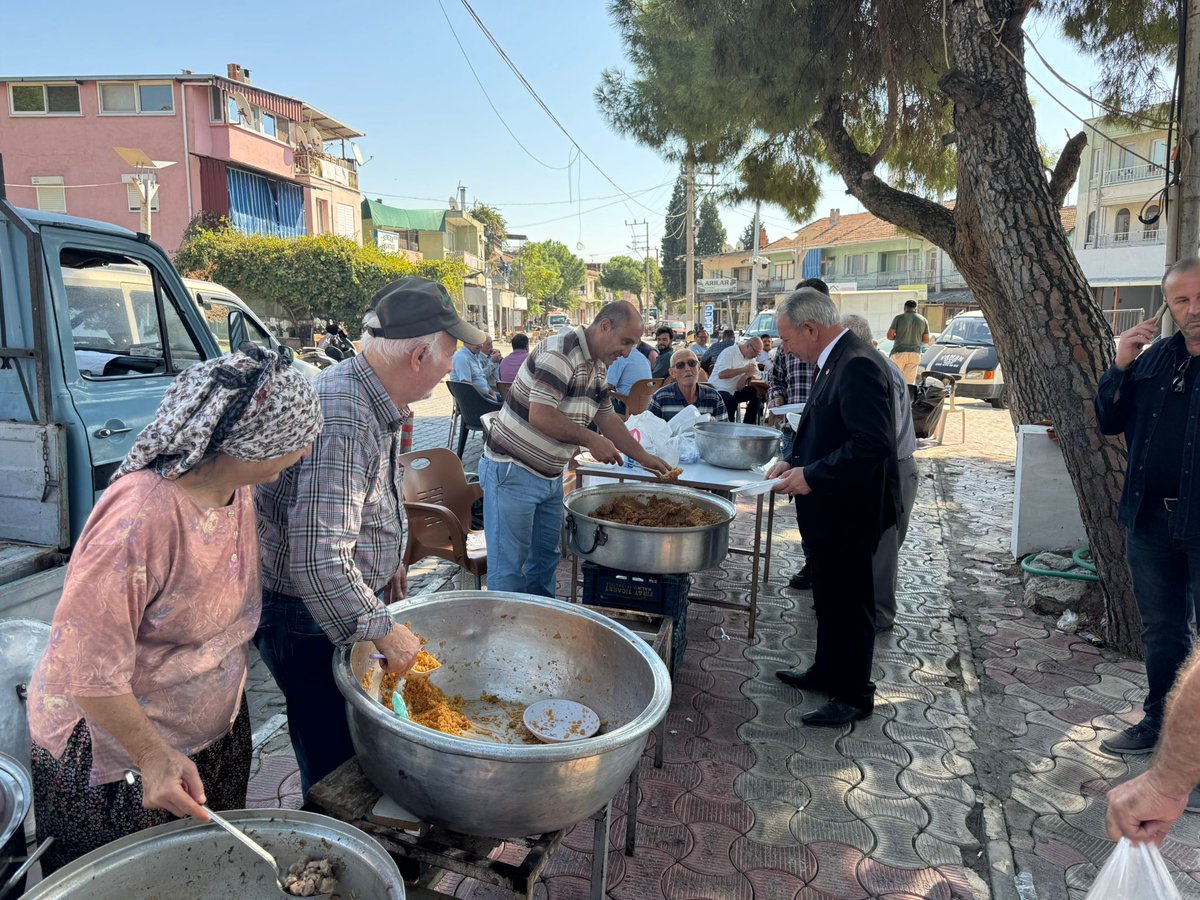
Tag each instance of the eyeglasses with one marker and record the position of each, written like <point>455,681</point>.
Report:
<point>686,364</point>
<point>1179,382</point>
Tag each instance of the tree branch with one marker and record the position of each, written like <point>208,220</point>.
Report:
<point>916,214</point>
<point>1067,168</point>
<point>891,124</point>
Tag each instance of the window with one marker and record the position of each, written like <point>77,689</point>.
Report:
<point>345,220</point>
<point>135,198</point>
<point>220,314</point>
<point>131,98</point>
<point>51,193</point>
<point>282,129</point>
<point>1128,159</point>
<point>785,271</point>
<point>267,124</point>
<point>216,104</point>
<point>1150,226</point>
<point>1121,228</point>
<point>322,216</point>
<point>232,114</point>
<point>1090,237</point>
<point>1158,151</point>
<point>44,99</point>
<point>116,325</point>
<point>855,264</point>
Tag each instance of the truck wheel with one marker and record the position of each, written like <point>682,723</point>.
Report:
<point>1000,402</point>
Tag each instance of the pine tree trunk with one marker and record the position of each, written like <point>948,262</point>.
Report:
<point>1007,240</point>
<point>1014,255</point>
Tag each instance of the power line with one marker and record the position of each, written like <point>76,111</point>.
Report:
<point>540,102</point>
<point>488,97</point>
<point>497,203</point>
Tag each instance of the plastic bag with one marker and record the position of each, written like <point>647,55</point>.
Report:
<point>685,445</point>
<point>686,419</point>
<point>1134,872</point>
<point>1068,622</point>
<point>650,431</point>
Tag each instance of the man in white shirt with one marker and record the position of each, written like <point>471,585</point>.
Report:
<point>731,375</point>
<point>468,369</point>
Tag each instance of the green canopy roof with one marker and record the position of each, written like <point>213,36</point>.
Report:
<point>384,216</point>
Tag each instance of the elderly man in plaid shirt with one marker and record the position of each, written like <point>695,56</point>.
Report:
<point>687,390</point>
<point>332,527</point>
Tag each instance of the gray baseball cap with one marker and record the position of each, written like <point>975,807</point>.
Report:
<point>415,306</point>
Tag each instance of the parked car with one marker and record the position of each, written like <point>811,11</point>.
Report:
<point>965,348</point>
<point>763,324</point>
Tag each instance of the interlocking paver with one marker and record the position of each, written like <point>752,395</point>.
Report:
<point>883,880</point>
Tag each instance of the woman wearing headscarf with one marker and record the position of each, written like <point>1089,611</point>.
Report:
<point>146,663</point>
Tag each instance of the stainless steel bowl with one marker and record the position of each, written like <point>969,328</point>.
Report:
<point>189,859</point>
<point>633,548</point>
<point>522,649</point>
<point>732,445</point>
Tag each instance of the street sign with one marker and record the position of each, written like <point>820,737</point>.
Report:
<point>715,285</point>
<point>708,316</point>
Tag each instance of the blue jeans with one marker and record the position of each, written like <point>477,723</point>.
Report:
<point>1166,581</point>
<point>522,518</point>
<point>299,656</point>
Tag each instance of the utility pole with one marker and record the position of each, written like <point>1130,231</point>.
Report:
<point>644,249</point>
<point>690,181</point>
<point>1183,199</point>
<point>754,263</point>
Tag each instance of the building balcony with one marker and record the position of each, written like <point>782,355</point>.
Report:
<point>329,168</point>
<point>470,260</point>
<point>1129,174</point>
<point>883,281</point>
<point>1144,237</point>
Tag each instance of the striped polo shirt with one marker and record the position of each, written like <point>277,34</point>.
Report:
<point>560,372</point>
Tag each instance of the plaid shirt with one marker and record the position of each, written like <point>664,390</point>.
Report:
<point>668,402</point>
<point>332,526</point>
<point>791,377</point>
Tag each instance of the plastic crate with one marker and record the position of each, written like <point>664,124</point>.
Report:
<point>660,595</point>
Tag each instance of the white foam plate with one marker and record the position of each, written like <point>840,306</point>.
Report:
<point>788,408</point>
<point>558,721</point>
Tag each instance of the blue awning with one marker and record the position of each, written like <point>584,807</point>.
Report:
<point>261,205</point>
<point>812,263</point>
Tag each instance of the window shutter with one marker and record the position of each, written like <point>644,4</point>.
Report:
<point>345,220</point>
<point>51,194</point>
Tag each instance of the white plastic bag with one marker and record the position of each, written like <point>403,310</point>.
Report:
<point>686,419</point>
<point>650,431</point>
<point>1134,872</point>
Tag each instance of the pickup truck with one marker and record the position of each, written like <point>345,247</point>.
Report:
<point>94,324</point>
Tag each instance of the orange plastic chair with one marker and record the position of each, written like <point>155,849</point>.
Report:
<point>438,499</point>
<point>638,398</point>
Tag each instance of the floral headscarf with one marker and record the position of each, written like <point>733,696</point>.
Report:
<point>250,404</point>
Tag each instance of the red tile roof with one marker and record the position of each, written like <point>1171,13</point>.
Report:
<point>859,228</point>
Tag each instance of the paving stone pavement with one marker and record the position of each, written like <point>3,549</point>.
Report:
<point>985,714</point>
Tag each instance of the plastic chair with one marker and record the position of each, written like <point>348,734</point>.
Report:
<point>638,398</point>
<point>470,405</point>
<point>438,499</point>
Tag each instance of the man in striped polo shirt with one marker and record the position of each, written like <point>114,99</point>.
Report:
<point>557,394</point>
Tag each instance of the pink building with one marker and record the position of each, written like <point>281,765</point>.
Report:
<point>271,163</point>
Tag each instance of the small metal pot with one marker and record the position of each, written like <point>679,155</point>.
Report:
<point>732,445</point>
<point>634,548</point>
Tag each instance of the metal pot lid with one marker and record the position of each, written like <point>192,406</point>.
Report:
<point>16,796</point>
<point>21,644</point>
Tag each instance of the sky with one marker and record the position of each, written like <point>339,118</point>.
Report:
<point>396,72</point>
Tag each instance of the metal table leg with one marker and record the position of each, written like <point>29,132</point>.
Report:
<point>754,560</point>
<point>631,816</point>
<point>770,533</point>
<point>600,823</point>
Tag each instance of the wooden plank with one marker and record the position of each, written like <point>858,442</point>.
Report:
<point>34,596</point>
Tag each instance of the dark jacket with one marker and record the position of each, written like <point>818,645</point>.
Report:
<point>1130,402</point>
<point>662,365</point>
<point>846,442</point>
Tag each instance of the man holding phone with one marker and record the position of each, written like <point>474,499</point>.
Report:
<point>1150,394</point>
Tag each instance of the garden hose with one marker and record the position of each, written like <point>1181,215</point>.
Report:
<point>1088,573</point>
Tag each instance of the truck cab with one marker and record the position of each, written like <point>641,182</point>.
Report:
<point>95,323</point>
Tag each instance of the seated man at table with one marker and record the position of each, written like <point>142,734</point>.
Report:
<point>624,373</point>
<point>732,372</point>
<point>687,390</point>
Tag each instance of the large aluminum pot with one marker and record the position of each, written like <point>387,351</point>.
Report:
<point>732,445</point>
<point>634,548</point>
<point>524,649</point>
<point>193,860</point>
<point>16,798</point>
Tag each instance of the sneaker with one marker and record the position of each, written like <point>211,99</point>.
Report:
<point>801,581</point>
<point>1139,738</point>
<point>1193,804</point>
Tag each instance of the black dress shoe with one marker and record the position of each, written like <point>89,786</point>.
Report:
<point>802,580</point>
<point>806,680</point>
<point>835,713</point>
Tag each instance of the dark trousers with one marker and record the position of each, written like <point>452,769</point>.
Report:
<point>300,658</point>
<point>844,598</point>
<point>1166,583</point>
<point>748,394</point>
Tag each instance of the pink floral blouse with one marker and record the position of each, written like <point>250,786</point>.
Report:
<point>161,598</point>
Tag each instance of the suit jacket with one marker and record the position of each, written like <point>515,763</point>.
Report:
<point>846,442</point>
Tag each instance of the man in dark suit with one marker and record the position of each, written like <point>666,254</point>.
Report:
<point>843,475</point>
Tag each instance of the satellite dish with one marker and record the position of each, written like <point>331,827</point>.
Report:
<point>358,157</point>
<point>314,136</point>
<point>242,104</point>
